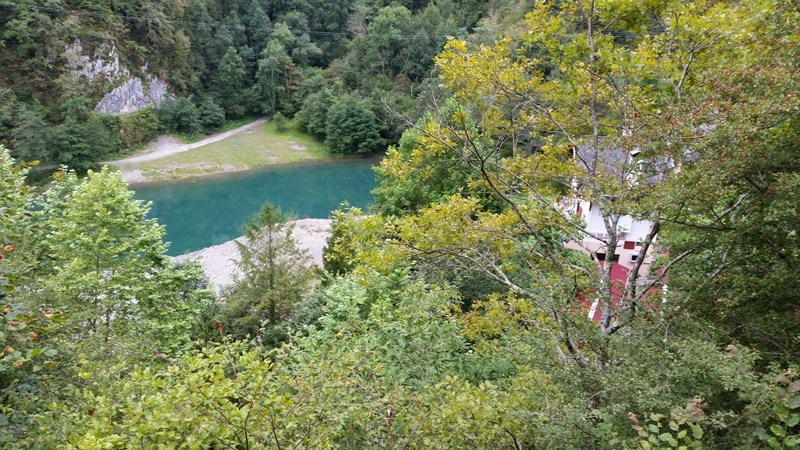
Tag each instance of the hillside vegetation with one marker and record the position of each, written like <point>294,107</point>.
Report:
<point>336,65</point>
<point>465,310</point>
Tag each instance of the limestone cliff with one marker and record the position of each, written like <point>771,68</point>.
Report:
<point>134,94</point>
<point>101,70</point>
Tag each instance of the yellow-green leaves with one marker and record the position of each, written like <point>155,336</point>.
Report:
<point>459,228</point>
<point>544,27</point>
<point>487,77</point>
<point>362,244</point>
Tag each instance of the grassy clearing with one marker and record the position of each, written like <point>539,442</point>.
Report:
<point>185,138</point>
<point>251,149</point>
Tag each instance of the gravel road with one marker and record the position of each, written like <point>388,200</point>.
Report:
<point>167,145</point>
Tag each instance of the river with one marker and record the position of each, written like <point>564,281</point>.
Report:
<point>211,210</point>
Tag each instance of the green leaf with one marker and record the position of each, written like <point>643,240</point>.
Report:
<point>681,434</point>
<point>782,411</point>
<point>673,426</point>
<point>665,437</point>
<point>777,430</point>
<point>761,434</point>
<point>793,420</point>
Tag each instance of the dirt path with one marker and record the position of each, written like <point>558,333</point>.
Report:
<point>166,147</point>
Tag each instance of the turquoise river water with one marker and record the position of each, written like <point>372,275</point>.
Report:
<point>209,211</point>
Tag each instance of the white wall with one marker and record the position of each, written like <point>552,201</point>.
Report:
<point>629,230</point>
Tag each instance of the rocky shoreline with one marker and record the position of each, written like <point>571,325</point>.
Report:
<point>219,261</point>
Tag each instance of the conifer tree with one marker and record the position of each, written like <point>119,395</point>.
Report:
<point>274,275</point>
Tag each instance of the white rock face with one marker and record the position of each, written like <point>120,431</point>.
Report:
<point>104,65</point>
<point>104,68</point>
<point>134,95</point>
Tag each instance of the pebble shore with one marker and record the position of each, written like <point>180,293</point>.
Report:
<point>219,261</point>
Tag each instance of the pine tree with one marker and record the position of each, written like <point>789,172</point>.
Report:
<point>274,275</point>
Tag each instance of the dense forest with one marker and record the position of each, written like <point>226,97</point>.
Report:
<point>339,66</point>
<point>460,312</point>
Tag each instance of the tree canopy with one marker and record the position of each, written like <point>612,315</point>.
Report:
<point>457,313</point>
<point>248,58</point>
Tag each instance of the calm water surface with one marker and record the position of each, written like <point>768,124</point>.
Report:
<point>209,211</point>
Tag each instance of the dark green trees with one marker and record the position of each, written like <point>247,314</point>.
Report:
<point>229,82</point>
<point>32,136</point>
<point>275,68</point>
<point>211,114</point>
<point>181,115</point>
<point>352,127</point>
<point>249,57</point>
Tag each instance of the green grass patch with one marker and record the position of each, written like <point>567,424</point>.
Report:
<point>259,147</point>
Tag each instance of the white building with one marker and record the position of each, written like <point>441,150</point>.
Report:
<point>631,233</point>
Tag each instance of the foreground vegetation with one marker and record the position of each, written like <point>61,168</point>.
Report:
<point>455,316</point>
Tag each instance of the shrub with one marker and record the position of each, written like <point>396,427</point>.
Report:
<point>139,127</point>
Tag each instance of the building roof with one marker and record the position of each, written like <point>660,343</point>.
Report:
<point>622,164</point>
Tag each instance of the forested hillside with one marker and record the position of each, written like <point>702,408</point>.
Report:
<point>338,65</point>
<point>467,309</point>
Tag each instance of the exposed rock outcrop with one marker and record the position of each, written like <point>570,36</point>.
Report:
<point>102,69</point>
<point>134,95</point>
<point>103,66</point>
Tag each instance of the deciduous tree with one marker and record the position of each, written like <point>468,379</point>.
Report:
<point>229,83</point>
<point>108,270</point>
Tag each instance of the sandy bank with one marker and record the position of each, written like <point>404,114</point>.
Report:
<point>219,261</point>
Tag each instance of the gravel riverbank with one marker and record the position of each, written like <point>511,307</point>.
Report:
<point>219,261</point>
